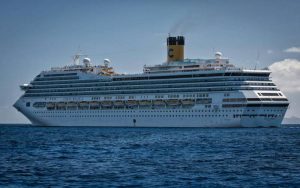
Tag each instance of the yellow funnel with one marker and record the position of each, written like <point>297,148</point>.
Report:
<point>175,48</point>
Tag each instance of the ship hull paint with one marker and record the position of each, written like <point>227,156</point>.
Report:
<point>148,118</point>
<point>158,122</point>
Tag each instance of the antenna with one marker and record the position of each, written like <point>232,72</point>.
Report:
<point>77,56</point>
<point>257,60</point>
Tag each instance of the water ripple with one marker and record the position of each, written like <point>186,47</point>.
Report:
<point>149,157</point>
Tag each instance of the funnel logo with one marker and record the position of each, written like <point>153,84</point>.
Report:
<point>170,53</point>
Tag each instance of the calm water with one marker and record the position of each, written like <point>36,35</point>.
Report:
<point>149,157</point>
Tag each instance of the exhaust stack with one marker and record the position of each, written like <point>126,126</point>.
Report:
<point>175,48</point>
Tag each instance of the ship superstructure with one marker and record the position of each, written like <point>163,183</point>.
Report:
<point>178,93</point>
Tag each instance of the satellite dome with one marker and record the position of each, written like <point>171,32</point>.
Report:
<point>218,55</point>
<point>106,62</point>
<point>87,61</point>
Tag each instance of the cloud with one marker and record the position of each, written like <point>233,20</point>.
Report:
<point>293,50</point>
<point>270,52</point>
<point>286,74</point>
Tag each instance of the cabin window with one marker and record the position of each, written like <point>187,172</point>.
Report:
<point>28,104</point>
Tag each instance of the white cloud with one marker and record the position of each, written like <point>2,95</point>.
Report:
<point>286,74</point>
<point>293,50</point>
<point>270,51</point>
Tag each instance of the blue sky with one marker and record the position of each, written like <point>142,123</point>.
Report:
<point>38,34</point>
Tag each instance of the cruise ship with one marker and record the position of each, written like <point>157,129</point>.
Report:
<point>177,93</point>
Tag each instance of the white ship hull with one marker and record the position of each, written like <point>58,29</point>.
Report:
<point>156,117</point>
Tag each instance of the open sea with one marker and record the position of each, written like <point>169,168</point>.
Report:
<point>149,157</point>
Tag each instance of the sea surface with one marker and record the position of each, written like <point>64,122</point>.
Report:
<point>149,157</point>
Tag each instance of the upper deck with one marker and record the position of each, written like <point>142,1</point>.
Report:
<point>175,64</point>
<point>199,66</point>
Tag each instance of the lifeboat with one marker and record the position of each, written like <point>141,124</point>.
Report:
<point>83,105</point>
<point>173,102</point>
<point>94,105</point>
<point>50,105</point>
<point>145,103</point>
<point>106,103</point>
<point>71,105</point>
<point>119,104</point>
<point>203,101</point>
<point>187,102</point>
<point>61,106</point>
<point>159,102</point>
<point>131,103</point>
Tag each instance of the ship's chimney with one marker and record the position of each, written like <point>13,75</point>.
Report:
<point>175,48</point>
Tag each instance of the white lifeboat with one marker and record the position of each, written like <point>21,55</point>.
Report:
<point>159,102</point>
<point>173,102</point>
<point>83,105</point>
<point>106,103</point>
<point>119,103</point>
<point>132,103</point>
<point>94,105</point>
<point>61,106</point>
<point>145,103</point>
<point>187,102</point>
<point>50,105</point>
<point>71,105</point>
